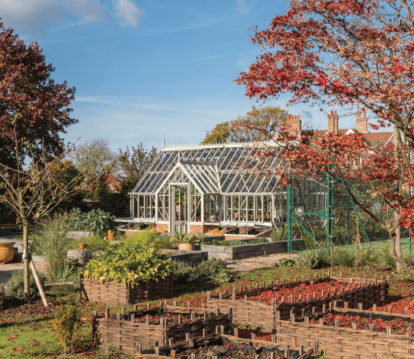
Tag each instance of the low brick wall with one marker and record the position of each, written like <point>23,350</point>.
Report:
<point>247,250</point>
<point>163,226</point>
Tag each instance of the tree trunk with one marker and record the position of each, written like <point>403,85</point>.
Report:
<point>398,251</point>
<point>26,261</point>
<point>398,259</point>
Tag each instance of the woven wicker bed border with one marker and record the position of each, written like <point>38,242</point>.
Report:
<point>360,290</point>
<point>124,335</point>
<point>343,343</point>
<point>121,294</point>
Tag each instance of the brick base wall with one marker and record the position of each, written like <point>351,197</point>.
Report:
<point>163,226</point>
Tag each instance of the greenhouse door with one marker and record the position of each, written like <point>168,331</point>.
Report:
<point>179,207</point>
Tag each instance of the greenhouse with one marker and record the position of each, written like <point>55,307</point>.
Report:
<point>192,189</point>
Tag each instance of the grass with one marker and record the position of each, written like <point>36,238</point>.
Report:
<point>31,337</point>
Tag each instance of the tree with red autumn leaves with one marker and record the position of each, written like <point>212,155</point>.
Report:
<point>33,113</point>
<point>355,54</point>
<point>32,105</point>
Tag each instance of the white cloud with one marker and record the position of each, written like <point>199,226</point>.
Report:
<point>242,7</point>
<point>88,10</point>
<point>29,15</point>
<point>129,13</point>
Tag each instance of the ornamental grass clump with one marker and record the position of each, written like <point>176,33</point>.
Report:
<point>133,263</point>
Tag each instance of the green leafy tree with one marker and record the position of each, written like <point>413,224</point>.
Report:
<point>254,126</point>
<point>136,161</point>
<point>93,155</point>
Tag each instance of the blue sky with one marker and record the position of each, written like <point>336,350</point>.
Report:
<point>144,69</point>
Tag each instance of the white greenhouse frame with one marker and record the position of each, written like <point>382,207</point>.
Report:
<point>220,185</point>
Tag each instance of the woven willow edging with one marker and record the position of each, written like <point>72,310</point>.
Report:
<point>124,335</point>
<point>1,297</point>
<point>360,290</point>
<point>123,293</point>
<point>343,343</point>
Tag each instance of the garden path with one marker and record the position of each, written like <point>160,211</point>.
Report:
<point>249,264</point>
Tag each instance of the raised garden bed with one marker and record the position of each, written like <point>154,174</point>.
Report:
<point>191,257</point>
<point>226,348</point>
<point>247,250</point>
<point>123,293</point>
<point>165,327</point>
<point>1,296</point>
<point>258,306</point>
<point>350,333</point>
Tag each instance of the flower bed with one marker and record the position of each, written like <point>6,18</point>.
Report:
<point>258,306</point>
<point>350,333</point>
<point>1,296</point>
<point>155,327</point>
<point>124,293</point>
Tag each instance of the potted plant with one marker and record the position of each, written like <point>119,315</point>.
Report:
<point>184,243</point>
<point>111,235</point>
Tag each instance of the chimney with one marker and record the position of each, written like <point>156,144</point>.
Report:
<point>362,122</point>
<point>294,124</point>
<point>333,122</point>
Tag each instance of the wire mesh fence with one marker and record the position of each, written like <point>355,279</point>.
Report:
<point>321,213</point>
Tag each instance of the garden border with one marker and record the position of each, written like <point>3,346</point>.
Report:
<point>123,293</point>
<point>125,335</point>
<point>256,313</point>
<point>341,343</point>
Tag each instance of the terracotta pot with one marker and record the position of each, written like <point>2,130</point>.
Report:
<point>111,236</point>
<point>6,252</point>
<point>81,245</point>
<point>185,247</point>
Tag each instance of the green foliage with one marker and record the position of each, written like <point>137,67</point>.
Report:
<point>214,268</point>
<point>134,263</point>
<point>287,263</point>
<point>146,237</point>
<point>53,243</point>
<point>93,243</point>
<point>96,221</point>
<point>215,242</point>
<point>312,259</point>
<point>183,239</point>
<point>15,286</point>
<point>279,235</point>
<point>343,257</point>
<point>384,258</point>
<point>68,326</point>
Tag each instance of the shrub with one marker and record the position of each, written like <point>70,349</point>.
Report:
<point>93,243</point>
<point>15,286</point>
<point>314,259</point>
<point>68,326</point>
<point>384,258</point>
<point>135,263</point>
<point>54,243</point>
<point>214,268</point>
<point>343,257</point>
<point>144,237</point>
<point>96,221</point>
<point>279,235</point>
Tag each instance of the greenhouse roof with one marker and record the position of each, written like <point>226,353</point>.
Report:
<point>217,168</point>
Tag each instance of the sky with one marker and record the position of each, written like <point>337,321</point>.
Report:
<point>145,69</point>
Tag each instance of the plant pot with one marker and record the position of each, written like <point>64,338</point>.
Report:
<point>111,236</point>
<point>6,252</point>
<point>81,245</point>
<point>185,247</point>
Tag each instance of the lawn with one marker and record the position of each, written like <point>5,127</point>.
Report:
<point>33,336</point>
